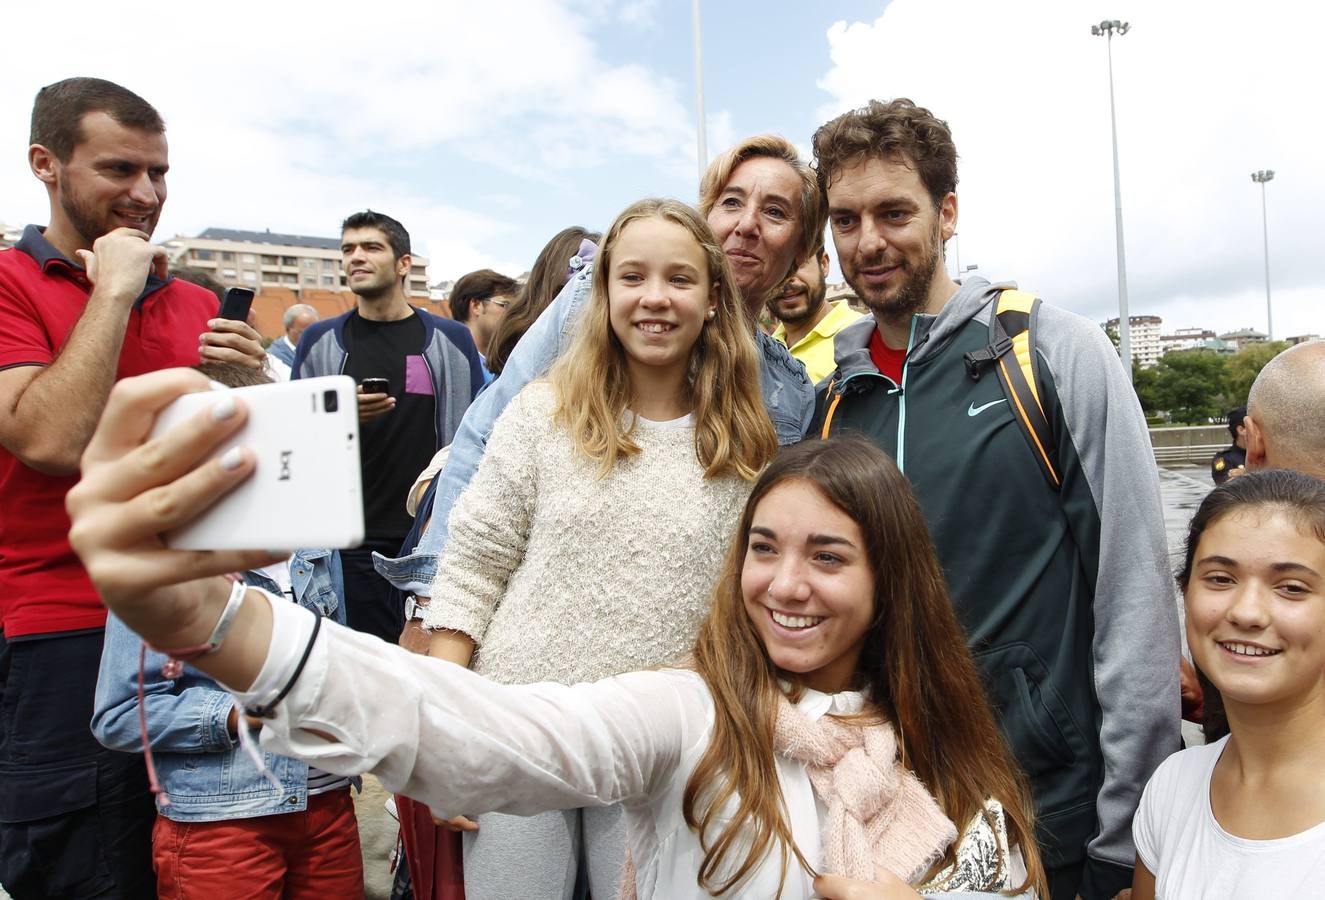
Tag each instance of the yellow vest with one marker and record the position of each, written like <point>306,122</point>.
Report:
<point>815,350</point>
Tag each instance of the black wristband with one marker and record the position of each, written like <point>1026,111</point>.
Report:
<point>264,711</point>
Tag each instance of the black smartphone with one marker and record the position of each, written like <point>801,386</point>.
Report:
<point>236,304</point>
<point>375,386</point>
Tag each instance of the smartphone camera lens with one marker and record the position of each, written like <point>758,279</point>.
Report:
<point>330,401</point>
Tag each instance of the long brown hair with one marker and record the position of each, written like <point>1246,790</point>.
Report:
<point>915,668</point>
<point>733,434</point>
<point>546,279</point>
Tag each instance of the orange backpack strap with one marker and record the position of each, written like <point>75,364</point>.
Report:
<point>832,408</point>
<point>1011,353</point>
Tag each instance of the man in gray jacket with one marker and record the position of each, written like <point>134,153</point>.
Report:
<point>1063,588</point>
<point>417,374</point>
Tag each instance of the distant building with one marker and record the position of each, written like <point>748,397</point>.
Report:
<point>441,291</point>
<point>1244,337</point>
<point>1193,339</point>
<point>1301,339</point>
<point>1144,337</point>
<point>261,259</point>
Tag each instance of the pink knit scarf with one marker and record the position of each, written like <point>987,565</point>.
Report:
<point>879,814</point>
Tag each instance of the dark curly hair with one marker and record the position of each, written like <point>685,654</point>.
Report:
<point>889,130</point>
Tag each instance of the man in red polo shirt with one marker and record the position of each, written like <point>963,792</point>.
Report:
<point>83,302</point>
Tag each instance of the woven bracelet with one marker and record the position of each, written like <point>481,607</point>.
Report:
<point>264,711</point>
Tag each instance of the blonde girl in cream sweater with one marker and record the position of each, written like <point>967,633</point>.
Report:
<point>589,540</point>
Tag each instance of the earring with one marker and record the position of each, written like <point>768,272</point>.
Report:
<point>709,315</point>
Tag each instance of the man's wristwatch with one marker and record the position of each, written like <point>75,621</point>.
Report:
<point>414,607</point>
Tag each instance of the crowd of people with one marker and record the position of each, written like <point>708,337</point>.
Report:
<point>651,602</point>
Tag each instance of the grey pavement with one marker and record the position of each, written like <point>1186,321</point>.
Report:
<point>1182,490</point>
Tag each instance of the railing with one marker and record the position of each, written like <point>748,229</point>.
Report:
<point>1192,454</point>
<point>1187,446</point>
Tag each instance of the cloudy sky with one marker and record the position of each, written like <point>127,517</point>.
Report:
<point>487,127</point>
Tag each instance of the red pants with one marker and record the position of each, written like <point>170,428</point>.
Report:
<point>433,854</point>
<point>309,854</point>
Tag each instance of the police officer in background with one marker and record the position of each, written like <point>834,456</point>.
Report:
<point>1235,456</point>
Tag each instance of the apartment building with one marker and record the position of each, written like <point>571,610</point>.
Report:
<point>1144,336</point>
<point>1192,339</point>
<point>1244,337</point>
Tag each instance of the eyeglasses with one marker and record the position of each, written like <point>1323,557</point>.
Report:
<point>502,304</point>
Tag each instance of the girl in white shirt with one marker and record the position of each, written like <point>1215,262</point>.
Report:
<point>1244,817</point>
<point>831,720</point>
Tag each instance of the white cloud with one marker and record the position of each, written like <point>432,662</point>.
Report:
<point>289,116</point>
<point>639,13</point>
<point>1206,93</point>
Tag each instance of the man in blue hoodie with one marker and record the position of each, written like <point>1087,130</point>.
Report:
<point>432,372</point>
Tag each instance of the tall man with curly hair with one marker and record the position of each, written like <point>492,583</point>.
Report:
<point>1063,588</point>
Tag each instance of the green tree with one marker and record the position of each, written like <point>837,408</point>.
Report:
<point>1191,385</point>
<point>1242,368</point>
<point>1146,383</point>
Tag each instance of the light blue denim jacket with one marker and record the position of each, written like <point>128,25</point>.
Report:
<point>203,770</point>
<point>788,395</point>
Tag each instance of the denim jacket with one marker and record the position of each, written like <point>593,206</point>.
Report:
<point>788,395</point>
<point>203,770</point>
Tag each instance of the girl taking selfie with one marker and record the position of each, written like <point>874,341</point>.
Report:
<point>831,719</point>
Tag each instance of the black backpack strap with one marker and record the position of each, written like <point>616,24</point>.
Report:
<point>1012,328</point>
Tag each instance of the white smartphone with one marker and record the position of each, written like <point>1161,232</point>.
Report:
<point>305,491</point>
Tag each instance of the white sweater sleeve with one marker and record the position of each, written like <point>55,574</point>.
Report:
<point>464,745</point>
<point>489,525</point>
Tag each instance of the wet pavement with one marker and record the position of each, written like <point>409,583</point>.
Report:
<point>1182,489</point>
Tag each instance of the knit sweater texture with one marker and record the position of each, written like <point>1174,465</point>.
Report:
<point>561,575</point>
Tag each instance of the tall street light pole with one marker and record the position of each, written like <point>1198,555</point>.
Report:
<point>1262,177</point>
<point>1108,28</point>
<point>701,125</point>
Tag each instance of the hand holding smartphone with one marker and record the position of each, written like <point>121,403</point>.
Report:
<point>236,305</point>
<point>306,489</point>
<point>375,398</point>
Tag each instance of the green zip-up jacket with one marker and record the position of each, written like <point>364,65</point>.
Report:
<point>1065,595</point>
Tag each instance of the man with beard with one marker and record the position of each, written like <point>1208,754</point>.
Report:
<point>807,322</point>
<point>1063,588</point>
<point>432,372</point>
<point>83,302</point>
